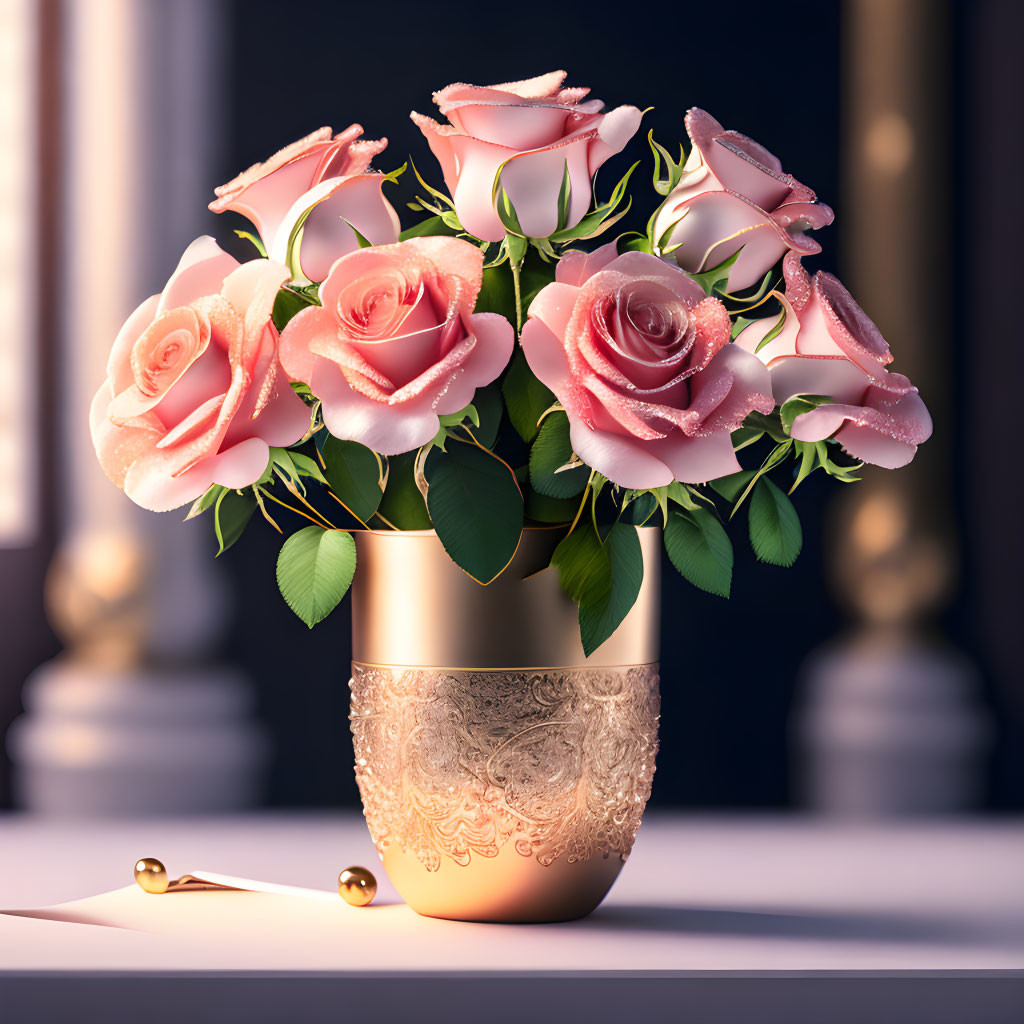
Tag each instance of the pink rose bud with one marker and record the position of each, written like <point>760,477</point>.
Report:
<point>396,342</point>
<point>327,175</point>
<point>641,362</point>
<point>194,394</point>
<point>733,194</point>
<point>829,346</point>
<point>525,135</point>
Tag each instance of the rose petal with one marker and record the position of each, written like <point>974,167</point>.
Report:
<point>200,271</point>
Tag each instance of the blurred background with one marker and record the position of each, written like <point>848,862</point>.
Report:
<point>881,675</point>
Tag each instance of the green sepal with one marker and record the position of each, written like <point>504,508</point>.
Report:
<point>255,239</point>
<point>798,405</point>
<point>290,301</point>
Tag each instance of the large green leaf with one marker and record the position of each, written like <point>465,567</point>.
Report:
<point>314,571</point>
<point>476,508</point>
<point>402,504</point>
<point>525,397</point>
<point>775,532</point>
<point>497,293</point>
<point>489,408</point>
<point>353,473</point>
<point>582,564</point>
<point>231,514</point>
<point>730,487</point>
<point>552,450</point>
<point>601,612</point>
<point>700,549</point>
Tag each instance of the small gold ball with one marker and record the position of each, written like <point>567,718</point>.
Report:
<point>151,875</point>
<point>357,886</point>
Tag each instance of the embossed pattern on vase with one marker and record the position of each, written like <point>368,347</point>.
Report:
<point>457,763</point>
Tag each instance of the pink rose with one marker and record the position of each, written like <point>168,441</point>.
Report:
<point>642,364</point>
<point>829,346</point>
<point>330,178</point>
<point>526,133</point>
<point>193,396</point>
<point>734,193</point>
<point>396,342</point>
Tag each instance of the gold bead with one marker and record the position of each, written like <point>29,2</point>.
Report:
<point>151,875</point>
<point>357,886</point>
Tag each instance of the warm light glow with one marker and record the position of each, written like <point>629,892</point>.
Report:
<point>889,143</point>
<point>879,525</point>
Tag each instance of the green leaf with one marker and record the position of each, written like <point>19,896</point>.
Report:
<point>543,509</point>
<point>476,508</point>
<point>314,571</point>
<point>353,473</point>
<point>497,294</point>
<point>583,565</point>
<point>431,226</point>
<point>402,504</point>
<point>743,437</point>
<point>700,549</point>
<point>673,168</point>
<point>488,404</point>
<point>602,217</point>
<point>797,406</point>
<point>730,487</point>
<point>550,452</point>
<point>525,397</point>
<point>775,532</point>
<point>601,612</point>
<point>231,514</point>
<point>287,304</point>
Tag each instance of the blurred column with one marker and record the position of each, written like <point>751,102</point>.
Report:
<point>889,723</point>
<point>132,718</point>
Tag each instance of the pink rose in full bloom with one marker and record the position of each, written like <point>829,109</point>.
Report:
<point>396,342</point>
<point>641,362</point>
<point>829,346</point>
<point>734,193</point>
<point>327,175</point>
<point>529,133</point>
<point>194,395</point>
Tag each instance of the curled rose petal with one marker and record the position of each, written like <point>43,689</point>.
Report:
<point>734,196</point>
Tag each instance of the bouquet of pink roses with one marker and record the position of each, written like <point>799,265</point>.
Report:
<point>478,372</point>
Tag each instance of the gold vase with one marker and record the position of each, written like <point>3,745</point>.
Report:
<point>503,774</point>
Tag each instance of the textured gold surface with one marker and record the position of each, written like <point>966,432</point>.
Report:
<point>411,605</point>
<point>357,886</point>
<point>504,795</point>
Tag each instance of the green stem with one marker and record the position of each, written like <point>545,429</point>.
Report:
<point>519,298</point>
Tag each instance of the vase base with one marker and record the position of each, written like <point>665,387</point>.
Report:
<point>508,889</point>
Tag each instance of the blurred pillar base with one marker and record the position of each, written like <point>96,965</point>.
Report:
<point>890,726</point>
<point>93,742</point>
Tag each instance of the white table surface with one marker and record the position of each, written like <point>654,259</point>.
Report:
<point>754,918</point>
